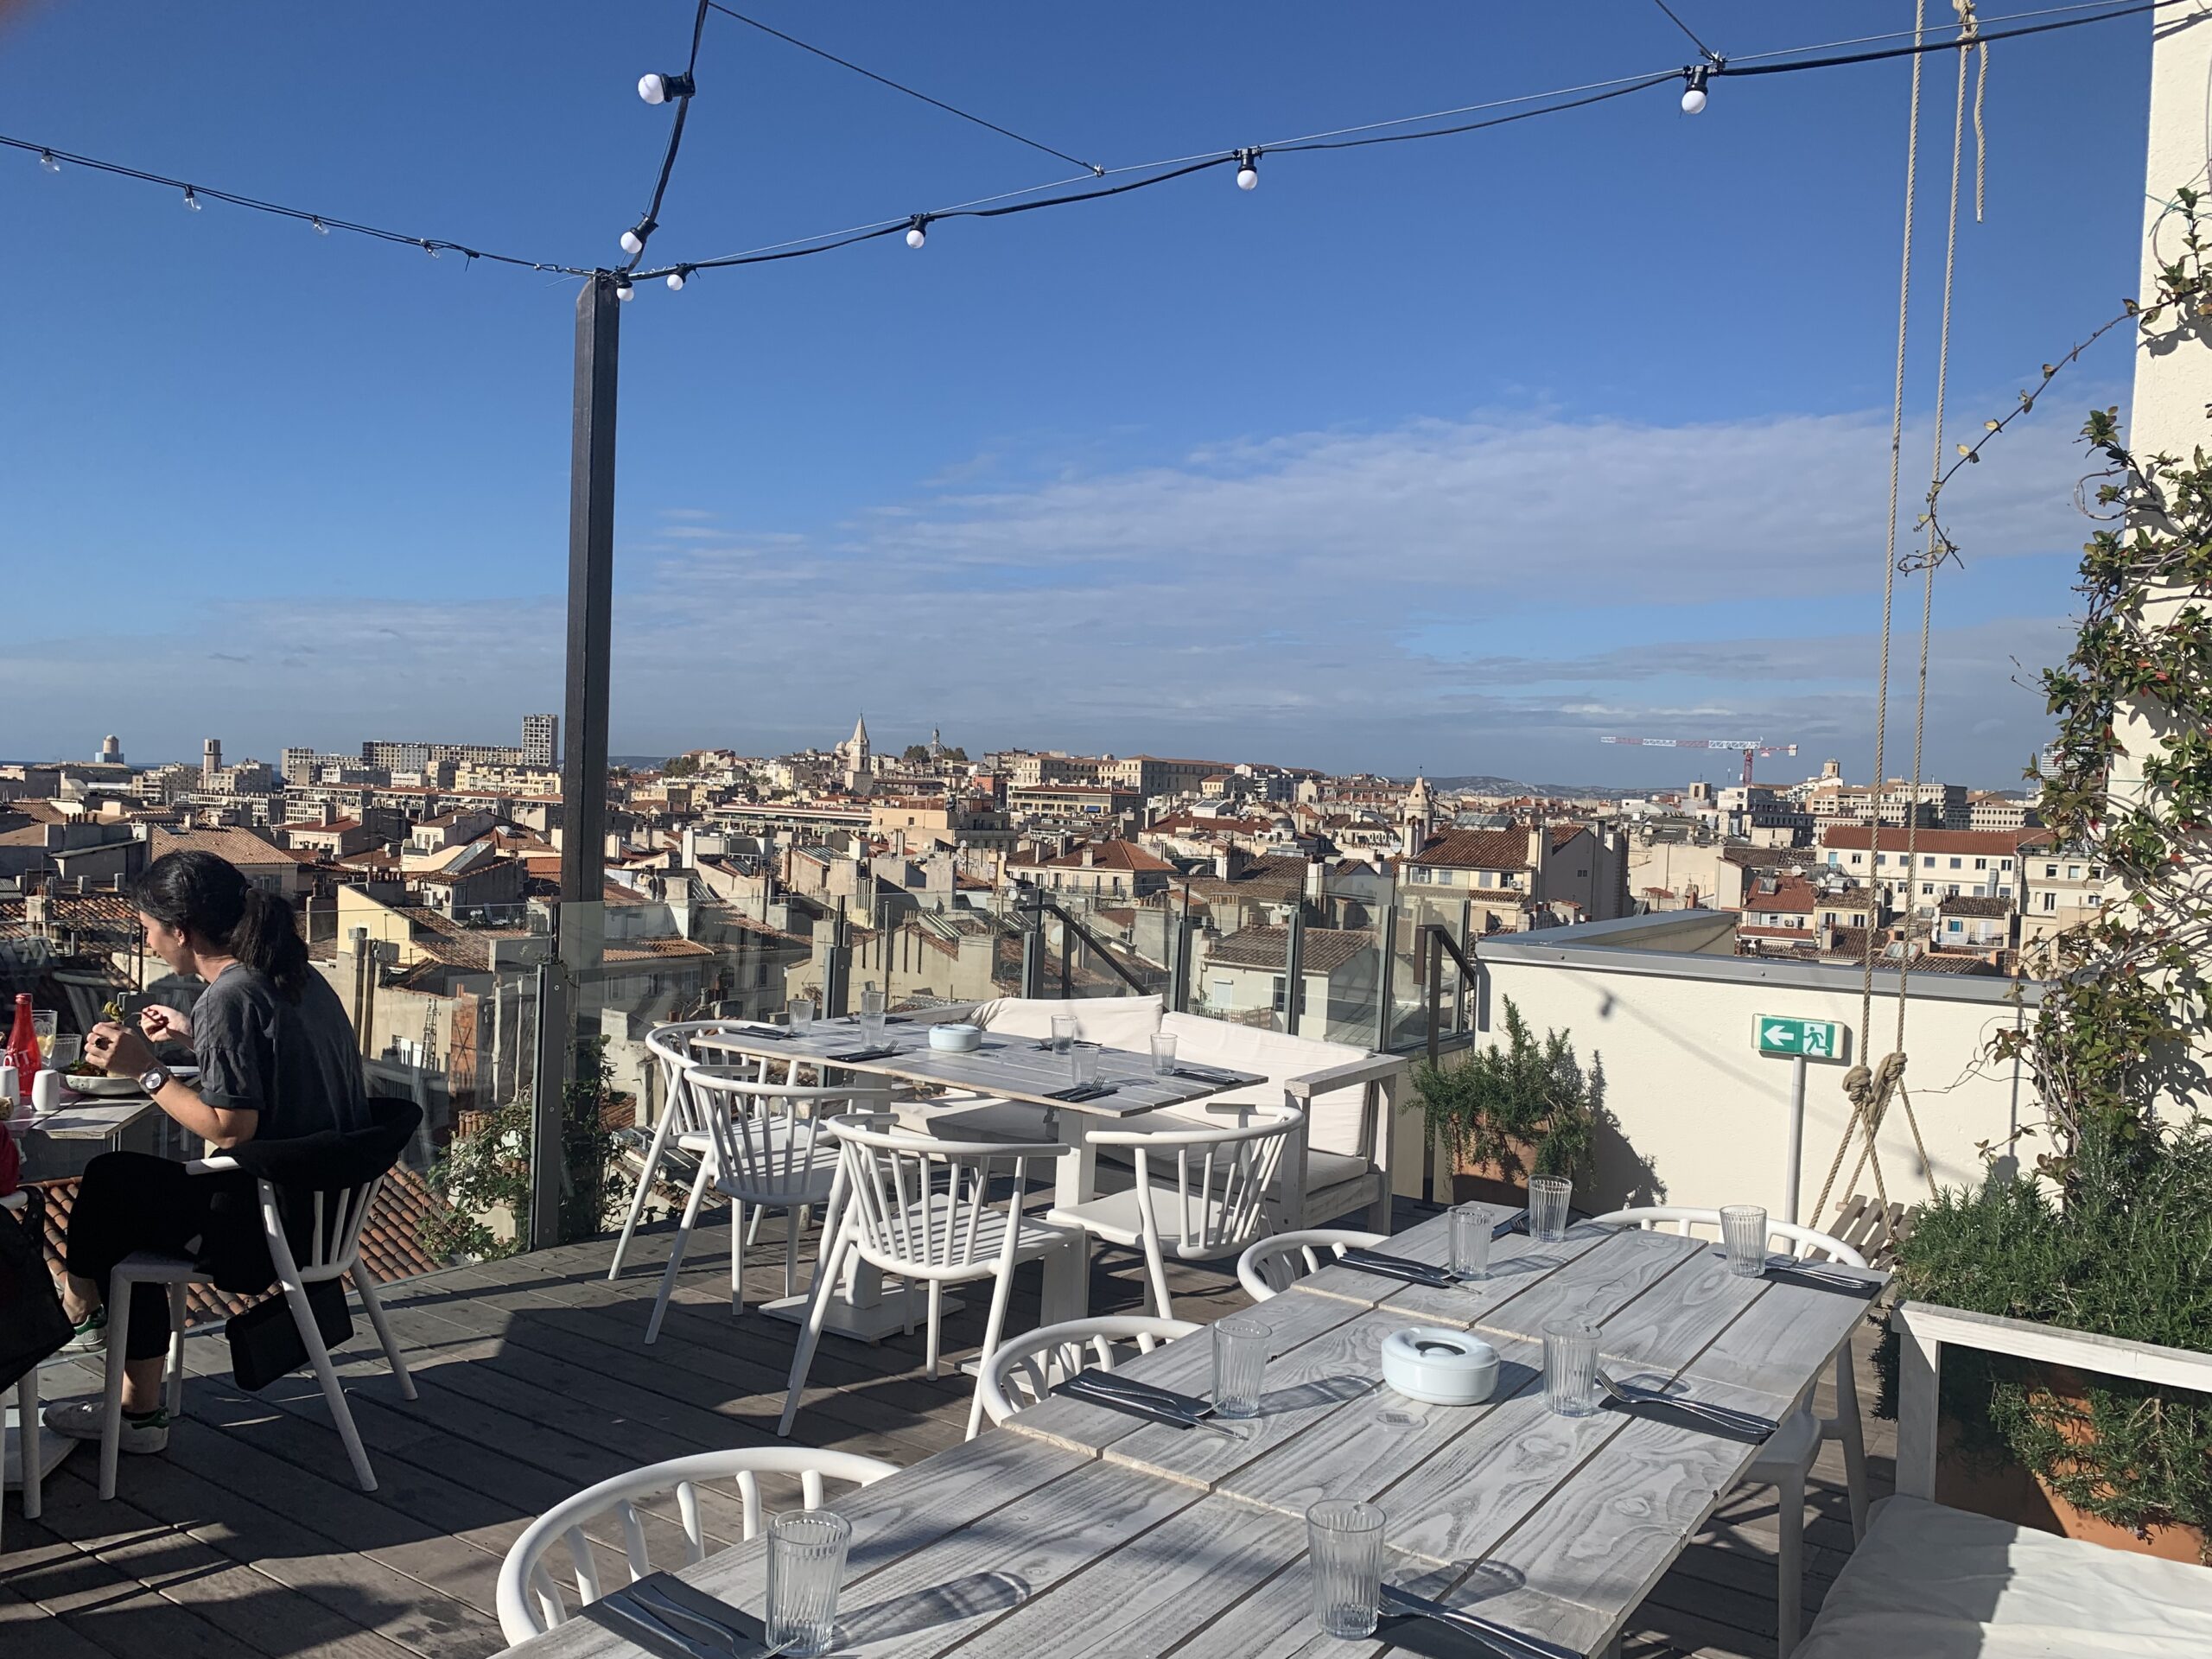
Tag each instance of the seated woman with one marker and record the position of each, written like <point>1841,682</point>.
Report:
<point>277,1058</point>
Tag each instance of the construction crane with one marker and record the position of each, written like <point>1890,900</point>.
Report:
<point>1750,748</point>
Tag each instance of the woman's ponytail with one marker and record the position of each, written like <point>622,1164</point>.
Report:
<point>267,940</point>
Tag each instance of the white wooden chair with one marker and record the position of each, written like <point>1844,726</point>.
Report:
<point>1024,1369</point>
<point>334,1253</point>
<point>920,1209</point>
<point>1274,1265</point>
<point>671,1047</point>
<point>763,1146</point>
<point>15,1204</point>
<point>1213,1205</point>
<point>1787,1458</point>
<point>530,1599</point>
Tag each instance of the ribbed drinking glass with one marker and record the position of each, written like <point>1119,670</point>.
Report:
<point>1083,1066</point>
<point>1343,1542</point>
<point>1470,1230</point>
<point>1163,1053</point>
<point>1571,1367</point>
<point>1548,1197</point>
<point>806,1566</point>
<point>1064,1026</point>
<point>1743,1230</point>
<point>801,1013</point>
<point>1240,1364</point>
<point>874,1006</point>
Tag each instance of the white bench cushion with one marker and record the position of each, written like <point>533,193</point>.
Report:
<point>1932,1582</point>
<point>1109,1021</point>
<point>1334,1124</point>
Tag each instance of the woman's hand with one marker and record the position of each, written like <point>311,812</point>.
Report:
<point>165,1025</point>
<point>123,1052</point>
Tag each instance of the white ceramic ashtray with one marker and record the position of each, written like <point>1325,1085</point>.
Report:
<point>957,1040</point>
<point>1445,1368</point>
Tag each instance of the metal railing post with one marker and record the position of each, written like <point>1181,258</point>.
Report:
<point>1033,947</point>
<point>549,1168</point>
<point>838,978</point>
<point>1293,964</point>
<point>1432,938</point>
<point>1178,964</point>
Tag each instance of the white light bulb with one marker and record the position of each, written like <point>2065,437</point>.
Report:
<point>46,159</point>
<point>632,244</point>
<point>652,89</point>
<point>1694,100</point>
<point>623,291</point>
<point>1247,176</point>
<point>916,237</point>
<point>191,199</point>
<point>676,281</point>
<point>319,227</point>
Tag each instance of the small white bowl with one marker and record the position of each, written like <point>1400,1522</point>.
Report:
<point>957,1040</point>
<point>1442,1367</point>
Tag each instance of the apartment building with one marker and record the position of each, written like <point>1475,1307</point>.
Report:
<point>1943,864</point>
<point>1517,879</point>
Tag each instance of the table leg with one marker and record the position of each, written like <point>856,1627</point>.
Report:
<point>1066,1291</point>
<point>861,1307</point>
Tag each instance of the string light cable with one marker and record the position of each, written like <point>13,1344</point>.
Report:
<point>1694,79</point>
<point>679,88</point>
<point>55,160</point>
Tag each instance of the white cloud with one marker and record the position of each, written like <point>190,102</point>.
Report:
<point>1485,594</point>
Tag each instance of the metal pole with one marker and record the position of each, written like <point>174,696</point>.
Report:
<point>1797,1136</point>
<point>1293,964</point>
<point>571,993</point>
<point>1384,989</point>
<point>1429,934</point>
<point>837,986</point>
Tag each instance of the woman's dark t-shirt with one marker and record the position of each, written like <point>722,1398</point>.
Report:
<point>296,1063</point>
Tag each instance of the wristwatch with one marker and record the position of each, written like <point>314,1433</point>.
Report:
<point>155,1080</point>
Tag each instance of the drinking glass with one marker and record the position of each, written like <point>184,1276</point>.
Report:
<point>1471,1230</point>
<point>806,1565</point>
<point>1743,1229</point>
<point>1548,1197</point>
<point>801,1013</point>
<point>874,1006</point>
<point>1344,1541</point>
<point>42,1024</point>
<point>1083,1066</point>
<point>1064,1026</point>
<point>1240,1361</point>
<point>1163,1053</point>
<point>64,1051</point>
<point>1571,1367</point>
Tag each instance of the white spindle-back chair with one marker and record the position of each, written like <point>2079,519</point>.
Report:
<point>1202,1193</point>
<point>763,1148</point>
<point>922,1210</point>
<point>529,1599</point>
<point>1274,1265</point>
<point>1787,1458</point>
<point>1025,1368</point>
<point>680,1123</point>
<point>334,1251</point>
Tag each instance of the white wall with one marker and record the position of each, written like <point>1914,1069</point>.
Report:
<point>1703,1119</point>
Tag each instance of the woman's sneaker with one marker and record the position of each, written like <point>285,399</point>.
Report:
<point>84,1420</point>
<point>90,1334</point>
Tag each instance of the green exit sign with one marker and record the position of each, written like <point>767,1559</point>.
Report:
<point>1814,1039</point>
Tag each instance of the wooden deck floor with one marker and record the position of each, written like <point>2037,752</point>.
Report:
<point>248,1536</point>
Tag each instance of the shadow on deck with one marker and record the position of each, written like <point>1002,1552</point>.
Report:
<point>248,1536</point>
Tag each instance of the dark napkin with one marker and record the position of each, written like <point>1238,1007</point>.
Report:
<point>1396,1266</point>
<point>1748,1426</point>
<point>1781,1272</point>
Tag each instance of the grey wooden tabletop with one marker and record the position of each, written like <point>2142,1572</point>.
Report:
<point>1010,1067</point>
<point>1076,1531</point>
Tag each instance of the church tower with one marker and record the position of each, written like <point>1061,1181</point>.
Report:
<point>1417,817</point>
<point>855,753</point>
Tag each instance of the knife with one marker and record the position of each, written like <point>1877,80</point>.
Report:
<point>1516,1223</point>
<point>1495,1637</point>
<point>1360,1259</point>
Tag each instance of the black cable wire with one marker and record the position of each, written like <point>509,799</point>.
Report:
<point>1981,38</point>
<point>207,193</point>
<point>896,86</point>
<point>647,224</point>
<point>1704,51</point>
<point>1645,85</point>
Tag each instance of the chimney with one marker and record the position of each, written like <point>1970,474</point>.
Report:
<point>1089,854</point>
<point>325,814</point>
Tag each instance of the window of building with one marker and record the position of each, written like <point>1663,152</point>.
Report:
<point>1928,860</point>
<point>2004,892</point>
<point>1879,858</point>
<point>1855,858</point>
<point>2073,872</point>
<point>1928,889</point>
<point>2003,864</point>
<point>2096,872</point>
<point>1981,864</point>
<point>1958,864</point>
<point>2050,901</point>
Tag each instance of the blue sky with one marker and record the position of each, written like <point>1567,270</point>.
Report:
<point>1454,455</point>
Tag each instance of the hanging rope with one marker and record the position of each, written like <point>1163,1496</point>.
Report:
<point>1970,29</point>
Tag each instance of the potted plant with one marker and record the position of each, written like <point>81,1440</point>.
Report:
<point>1511,1110</point>
<point>2109,1230</point>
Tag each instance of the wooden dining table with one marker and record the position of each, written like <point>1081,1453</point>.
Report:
<point>1076,1530</point>
<point>1005,1067</point>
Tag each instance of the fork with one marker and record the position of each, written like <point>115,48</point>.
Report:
<point>1737,1422</point>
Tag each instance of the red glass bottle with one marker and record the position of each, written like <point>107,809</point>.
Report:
<point>23,1043</point>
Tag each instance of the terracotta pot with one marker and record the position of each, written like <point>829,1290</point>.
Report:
<point>1490,1181</point>
<point>2026,1499</point>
